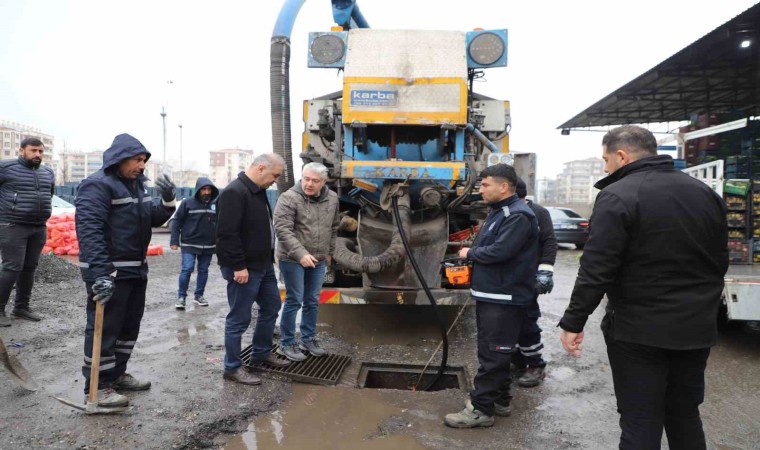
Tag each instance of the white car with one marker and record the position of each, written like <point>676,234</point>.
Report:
<point>61,206</point>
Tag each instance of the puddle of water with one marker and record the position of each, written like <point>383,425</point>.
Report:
<point>335,418</point>
<point>383,324</point>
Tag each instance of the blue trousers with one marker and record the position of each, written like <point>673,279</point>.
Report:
<point>188,264</point>
<point>302,286</point>
<point>261,288</point>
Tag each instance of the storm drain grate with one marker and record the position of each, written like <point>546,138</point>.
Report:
<point>406,376</point>
<point>325,370</point>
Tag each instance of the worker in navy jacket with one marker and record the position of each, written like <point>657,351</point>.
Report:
<point>504,256</point>
<point>114,216</point>
<point>194,231</point>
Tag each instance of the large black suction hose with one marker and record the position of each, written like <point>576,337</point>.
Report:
<point>444,334</point>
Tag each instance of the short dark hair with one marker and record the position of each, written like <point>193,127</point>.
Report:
<point>635,139</point>
<point>521,189</point>
<point>31,141</point>
<point>502,171</point>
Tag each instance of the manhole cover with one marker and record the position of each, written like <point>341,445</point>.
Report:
<point>407,376</point>
<point>324,370</point>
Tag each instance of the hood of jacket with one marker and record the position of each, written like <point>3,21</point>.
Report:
<point>203,182</point>
<point>124,146</point>
<point>322,194</point>
<point>659,162</point>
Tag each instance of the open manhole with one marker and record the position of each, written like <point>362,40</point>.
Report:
<point>323,370</point>
<point>407,376</point>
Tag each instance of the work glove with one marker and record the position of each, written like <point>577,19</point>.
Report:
<point>103,289</point>
<point>544,280</point>
<point>168,189</point>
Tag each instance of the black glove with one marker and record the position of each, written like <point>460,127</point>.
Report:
<point>103,289</point>
<point>167,188</point>
<point>544,281</point>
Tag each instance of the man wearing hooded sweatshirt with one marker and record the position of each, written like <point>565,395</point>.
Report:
<point>194,229</point>
<point>26,189</point>
<point>114,218</point>
<point>306,221</point>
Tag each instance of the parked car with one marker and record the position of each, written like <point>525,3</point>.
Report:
<point>569,226</point>
<point>61,206</point>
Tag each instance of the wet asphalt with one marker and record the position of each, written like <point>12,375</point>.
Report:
<point>190,406</point>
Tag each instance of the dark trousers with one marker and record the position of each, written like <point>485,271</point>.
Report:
<point>121,325</point>
<point>529,342</point>
<point>20,246</point>
<point>498,330</point>
<point>261,288</point>
<point>658,388</point>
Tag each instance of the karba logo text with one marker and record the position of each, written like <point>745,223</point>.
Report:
<point>374,98</point>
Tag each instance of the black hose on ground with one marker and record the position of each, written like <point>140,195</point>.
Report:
<point>426,288</point>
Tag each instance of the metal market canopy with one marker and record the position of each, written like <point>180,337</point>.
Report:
<point>714,75</point>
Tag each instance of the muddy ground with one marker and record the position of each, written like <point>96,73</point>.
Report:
<point>190,406</point>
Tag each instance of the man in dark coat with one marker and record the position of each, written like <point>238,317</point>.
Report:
<point>503,284</point>
<point>245,240</point>
<point>114,220</point>
<point>528,361</point>
<point>194,230</point>
<point>658,248</point>
<point>26,189</point>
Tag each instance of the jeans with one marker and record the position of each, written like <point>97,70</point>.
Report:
<point>656,388</point>
<point>20,246</point>
<point>302,286</point>
<point>188,264</point>
<point>262,289</point>
<point>498,330</point>
<point>121,325</point>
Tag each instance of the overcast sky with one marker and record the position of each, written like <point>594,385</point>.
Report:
<point>85,71</point>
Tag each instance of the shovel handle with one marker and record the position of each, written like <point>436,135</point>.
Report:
<point>95,368</point>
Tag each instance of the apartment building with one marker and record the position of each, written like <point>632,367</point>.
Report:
<point>12,133</point>
<point>224,165</point>
<point>576,182</point>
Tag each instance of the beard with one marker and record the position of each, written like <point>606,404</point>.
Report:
<point>205,198</point>
<point>36,162</point>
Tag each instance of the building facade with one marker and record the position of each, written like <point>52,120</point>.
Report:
<point>11,135</point>
<point>575,185</point>
<point>224,165</point>
<point>546,192</point>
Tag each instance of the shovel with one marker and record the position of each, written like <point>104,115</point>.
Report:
<point>91,407</point>
<point>17,371</point>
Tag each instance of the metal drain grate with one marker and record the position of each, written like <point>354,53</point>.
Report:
<point>325,370</point>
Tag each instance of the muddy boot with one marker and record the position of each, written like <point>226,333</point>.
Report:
<point>241,376</point>
<point>502,410</point>
<point>292,352</point>
<point>108,398</point>
<point>127,382</point>
<point>532,377</point>
<point>312,346</point>
<point>271,360</point>
<point>5,321</point>
<point>469,417</point>
<point>24,312</point>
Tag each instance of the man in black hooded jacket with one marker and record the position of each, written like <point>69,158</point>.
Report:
<point>114,220</point>
<point>194,230</point>
<point>658,248</point>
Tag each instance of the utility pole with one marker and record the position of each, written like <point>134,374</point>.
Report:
<point>163,119</point>
<point>181,170</point>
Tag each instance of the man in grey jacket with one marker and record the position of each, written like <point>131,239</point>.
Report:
<point>26,189</point>
<point>306,221</point>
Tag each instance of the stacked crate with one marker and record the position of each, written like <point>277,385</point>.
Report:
<point>740,227</point>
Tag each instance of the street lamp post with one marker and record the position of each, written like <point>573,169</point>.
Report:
<point>181,170</point>
<point>163,119</point>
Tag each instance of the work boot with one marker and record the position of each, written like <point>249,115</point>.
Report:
<point>200,301</point>
<point>127,382</point>
<point>292,352</point>
<point>532,377</point>
<point>25,312</point>
<point>312,346</point>
<point>517,370</point>
<point>271,360</point>
<point>242,376</point>
<point>180,303</point>
<point>502,410</point>
<point>469,417</point>
<point>108,398</point>
<point>5,321</point>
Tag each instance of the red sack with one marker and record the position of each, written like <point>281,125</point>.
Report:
<point>74,251</point>
<point>46,250</point>
<point>61,250</point>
